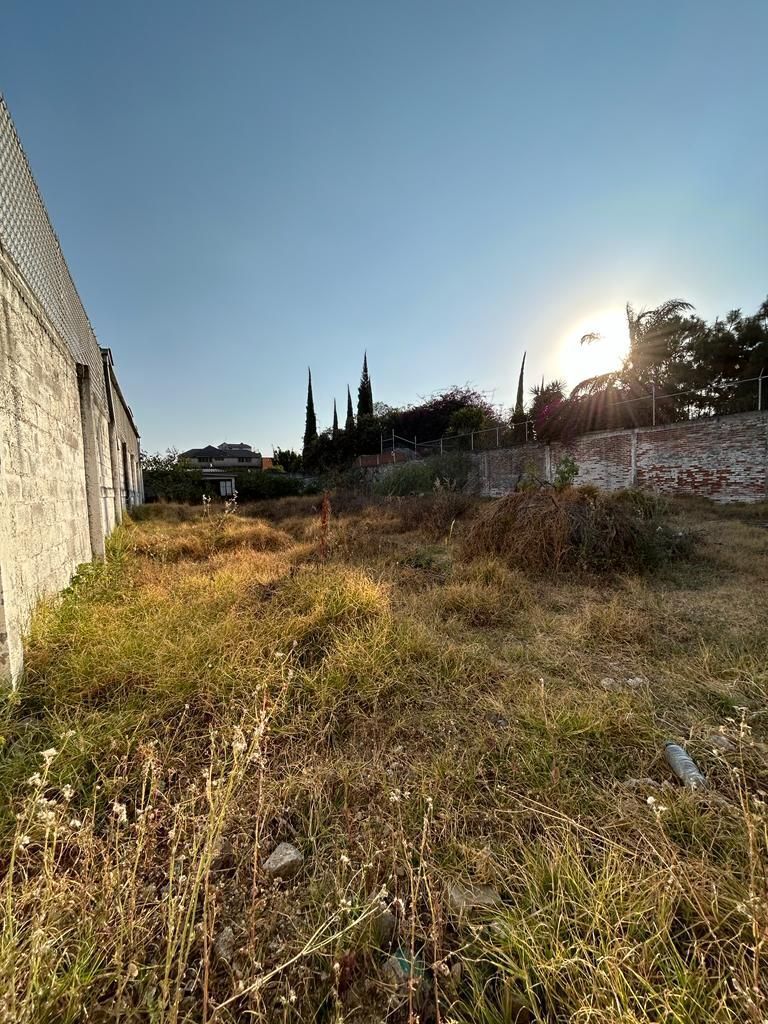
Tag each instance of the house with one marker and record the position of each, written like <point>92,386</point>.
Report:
<point>218,463</point>
<point>237,456</point>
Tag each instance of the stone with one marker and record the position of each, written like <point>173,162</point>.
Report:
<point>222,856</point>
<point>384,929</point>
<point>284,862</point>
<point>497,721</point>
<point>622,685</point>
<point>642,783</point>
<point>224,946</point>
<point>464,900</point>
<point>635,682</point>
<point>721,742</point>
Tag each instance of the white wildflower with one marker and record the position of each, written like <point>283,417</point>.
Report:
<point>238,743</point>
<point>120,811</point>
<point>49,754</point>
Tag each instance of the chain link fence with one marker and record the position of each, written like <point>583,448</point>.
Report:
<point>718,398</point>
<point>28,238</point>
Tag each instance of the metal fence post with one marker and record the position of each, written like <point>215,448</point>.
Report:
<point>653,403</point>
<point>441,446</point>
<point>393,443</point>
<point>497,438</point>
<point>472,441</point>
<point>760,391</point>
<point>381,439</point>
<point>526,431</point>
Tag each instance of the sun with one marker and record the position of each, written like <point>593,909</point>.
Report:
<point>600,356</point>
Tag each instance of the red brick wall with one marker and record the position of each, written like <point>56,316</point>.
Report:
<point>725,459</point>
<point>604,459</point>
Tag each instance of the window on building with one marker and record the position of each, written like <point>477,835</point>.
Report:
<point>244,460</point>
<point>227,488</point>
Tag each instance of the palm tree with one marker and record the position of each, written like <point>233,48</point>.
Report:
<point>650,333</point>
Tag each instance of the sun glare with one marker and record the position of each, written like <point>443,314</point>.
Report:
<point>600,356</point>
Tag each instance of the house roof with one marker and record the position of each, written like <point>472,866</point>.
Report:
<point>212,452</point>
<point>198,453</point>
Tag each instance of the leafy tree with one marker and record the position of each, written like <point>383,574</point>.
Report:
<point>328,453</point>
<point>734,348</point>
<point>464,421</point>
<point>169,477</point>
<point>310,424</point>
<point>288,459</point>
<point>365,392</point>
<point>433,417</point>
<point>335,427</point>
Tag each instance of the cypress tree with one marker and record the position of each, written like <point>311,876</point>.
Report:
<point>335,428</point>
<point>365,392</point>
<point>519,410</point>
<point>349,426</point>
<point>310,425</point>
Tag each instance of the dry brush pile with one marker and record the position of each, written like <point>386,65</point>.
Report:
<point>465,749</point>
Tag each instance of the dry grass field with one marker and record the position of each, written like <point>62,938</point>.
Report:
<point>461,733</point>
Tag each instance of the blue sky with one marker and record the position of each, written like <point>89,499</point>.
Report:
<point>242,189</point>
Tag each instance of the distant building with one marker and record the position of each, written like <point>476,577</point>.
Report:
<point>217,463</point>
<point>225,454</point>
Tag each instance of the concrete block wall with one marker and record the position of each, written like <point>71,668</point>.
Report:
<point>124,444</point>
<point>725,459</point>
<point>58,499</point>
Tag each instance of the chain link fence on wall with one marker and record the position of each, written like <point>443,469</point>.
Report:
<point>718,398</point>
<point>28,238</point>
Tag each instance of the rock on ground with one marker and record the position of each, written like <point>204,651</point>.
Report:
<point>384,928</point>
<point>224,946</point>
<point>284,862</point>
<point>463,899</point>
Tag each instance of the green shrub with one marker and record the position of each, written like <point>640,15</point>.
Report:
<point>420,477</point>
<point>566,472</point>
<point>253,486</point>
